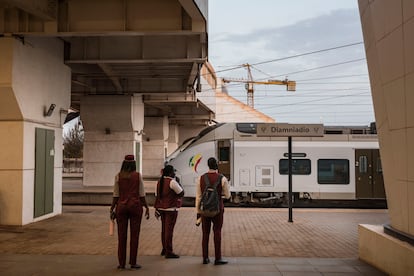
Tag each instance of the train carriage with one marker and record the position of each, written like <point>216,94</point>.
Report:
<point>344,164</point>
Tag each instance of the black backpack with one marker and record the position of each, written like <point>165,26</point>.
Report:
<point>210,199</point>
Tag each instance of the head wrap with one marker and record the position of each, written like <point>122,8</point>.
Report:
<point>129,158</point>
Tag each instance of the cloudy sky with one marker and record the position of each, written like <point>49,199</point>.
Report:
<point>317,43</point>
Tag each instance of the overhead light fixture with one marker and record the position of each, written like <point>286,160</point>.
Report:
<point>48,112</point>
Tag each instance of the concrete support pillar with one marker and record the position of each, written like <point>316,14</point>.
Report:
<point>33,78</point>
<point>389,39</point>
<point>113,127</point>
<point>173,139</point>
<point>155,145</point>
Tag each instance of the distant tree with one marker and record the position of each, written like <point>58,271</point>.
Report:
<point>73,142</point>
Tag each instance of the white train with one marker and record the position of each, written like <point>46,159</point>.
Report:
<point>344,164</point>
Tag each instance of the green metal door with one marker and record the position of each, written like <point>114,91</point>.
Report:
<point>44,166</point>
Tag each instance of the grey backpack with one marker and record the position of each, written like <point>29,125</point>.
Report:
<point>210,199</point>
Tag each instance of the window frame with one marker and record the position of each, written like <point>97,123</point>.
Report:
<point>341,180</point>
<point>307,172</point>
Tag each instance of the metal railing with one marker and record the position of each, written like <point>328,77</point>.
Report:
<point>73,165</point>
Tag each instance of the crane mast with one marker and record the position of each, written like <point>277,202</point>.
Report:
<point>249,84</point>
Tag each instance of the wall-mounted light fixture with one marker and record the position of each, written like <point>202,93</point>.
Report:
<point>48,112</point>
<point>140,132</point>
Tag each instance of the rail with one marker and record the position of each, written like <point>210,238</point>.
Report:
<point>73,165</point>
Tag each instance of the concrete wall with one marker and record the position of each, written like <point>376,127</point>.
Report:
<point>173,138</point>
<point>387,253</point>
<point>226,108</point>
<point>32,76</point>
<point>111,125</point>
<point>155,145</point>
<point>388,28</point>
<point>11,174</point>
<point>229,109</point>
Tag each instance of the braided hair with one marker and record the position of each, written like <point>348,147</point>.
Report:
<point>167,171</point>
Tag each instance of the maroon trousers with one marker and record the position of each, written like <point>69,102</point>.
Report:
<point>131,212</point>
<point>168,220</point>
<point>206,226</point>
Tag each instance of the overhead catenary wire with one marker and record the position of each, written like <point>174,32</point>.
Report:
<point>305,70</point>
<point>320,67</point>
<point>334,77</point>
<point>306,86</point>
<point>293,56</point>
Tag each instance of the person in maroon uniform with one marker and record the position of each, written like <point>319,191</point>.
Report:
<point>217,220</point>
<point>167,203</point>
<point>128,200</point>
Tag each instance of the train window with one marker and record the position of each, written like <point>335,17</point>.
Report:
<point>333,171</point>
<point>379,165</point>
<point>357,131</point>
<point>223,150</point>
<point>363,164</point>
<point>299,166</point>
<point>224,154</point>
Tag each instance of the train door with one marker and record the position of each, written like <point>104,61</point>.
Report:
<point>368,174</point>
<point>223,147</point>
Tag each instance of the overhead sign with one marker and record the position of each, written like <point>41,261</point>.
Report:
<point>292,130</point>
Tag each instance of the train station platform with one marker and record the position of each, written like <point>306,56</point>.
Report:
<point>75,193</point>
<point>255,242</point>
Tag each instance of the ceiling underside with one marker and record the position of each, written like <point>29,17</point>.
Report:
<point>124,47</point>
<point>150,65</point>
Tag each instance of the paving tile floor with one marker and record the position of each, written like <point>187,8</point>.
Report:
<point>29,264</point>
<point>255,241</point>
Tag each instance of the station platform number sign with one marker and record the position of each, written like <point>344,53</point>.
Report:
<point>290,130</point>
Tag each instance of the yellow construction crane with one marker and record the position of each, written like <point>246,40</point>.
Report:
<point>290,85</point>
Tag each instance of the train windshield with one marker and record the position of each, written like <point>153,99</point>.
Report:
<point>247,127</point>
<point>191,140</point>
<point>181,148</point>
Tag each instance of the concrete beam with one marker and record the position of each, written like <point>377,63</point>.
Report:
<point>121,15</point>
<point>111,75</point>
<point>43,9</point>
<point>132,61</point>
<point>154,48</point>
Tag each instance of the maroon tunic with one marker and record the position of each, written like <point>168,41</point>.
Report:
<point>129,208</point>
<point>168,200</point>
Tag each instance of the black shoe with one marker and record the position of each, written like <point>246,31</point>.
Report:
<point>163,252</point>
<point>136,266</point>
<point>120,267</point>
<point>172,256</point>
<point>220,262</point>
<point>206,261</point>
